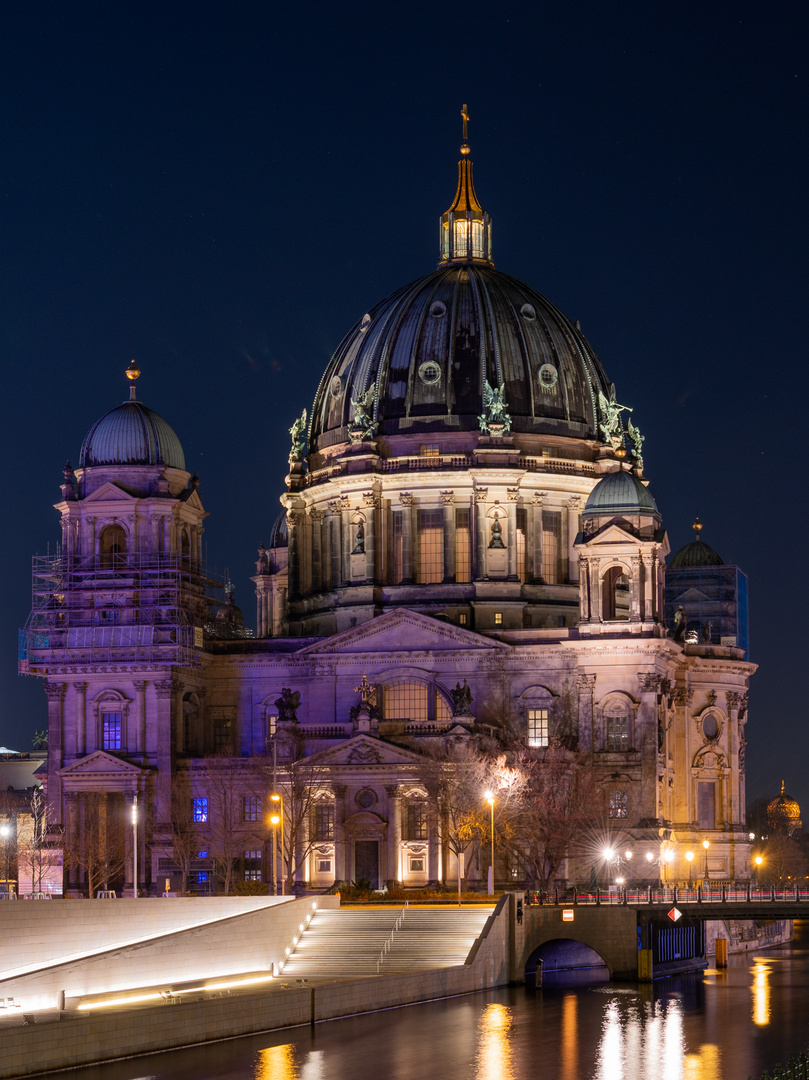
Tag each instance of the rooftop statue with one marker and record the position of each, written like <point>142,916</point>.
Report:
<point>610,424</point>
<point>287,705</point>
<point>637,443</point>
<point>495,418</point>
<point>298,433</point>
<point>363,425</point>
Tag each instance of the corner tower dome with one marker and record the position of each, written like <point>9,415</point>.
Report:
<point>131,434</point>
<point>418,361</point>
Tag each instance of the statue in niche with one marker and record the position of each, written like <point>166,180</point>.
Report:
<point>461,699</point>
<point>359,542</point>
<point>298,433</point>
<point>497,533</point>
<point>495,418</point>
<point>679,623</point>
<point>287,705</point>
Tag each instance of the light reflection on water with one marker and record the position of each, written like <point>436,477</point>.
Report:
<point>761,993</point>
<point>494,1058</point>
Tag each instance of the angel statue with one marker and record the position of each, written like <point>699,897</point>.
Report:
<point>610,424</point>
<point>495,418</point>
<point>637,443</point>
<point>363,425</point>
<point>298,433</point>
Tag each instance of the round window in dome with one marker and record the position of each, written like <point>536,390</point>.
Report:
<point>430,373</point>
<point>438,310</point>
<point>366,322</point>
<point>548,377</point>
<point>336,386</point>
<point>529,312</point>
<point>710,728</point>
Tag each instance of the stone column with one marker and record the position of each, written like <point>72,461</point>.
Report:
<point>72,837</point>
<point>81,718</point>
<point>448,499</point>
<point>636,590</point>
<point>584,591</point>
<point>573,507</point>
<point>346,544</point>
<point>588,739</point>
<point>340,839</point>
<point>511,517</point>
<point>140,716</point>
<point>537,501</point>
<point>326,552</point>
<point>394,833</point>
<point>177,709</point>
<point>370,500</point>
<point>406,500</point>
<point>159,746</point>
<point>294,539</point>
<point>56,742</point>
<point>646,723</point>
<point>481,541</point>
<point>317,549</point>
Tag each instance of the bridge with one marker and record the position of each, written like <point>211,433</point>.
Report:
<point>639,934</point>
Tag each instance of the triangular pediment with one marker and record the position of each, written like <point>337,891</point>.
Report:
<point>692,594</point>
<point>401,630</point>
<point>364,749</point>
<point>614,534</point>
<point>110,492</point>
<point>100,764</point>
<point>192,499</point>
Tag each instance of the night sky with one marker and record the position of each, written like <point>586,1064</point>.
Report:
<point>222,190</point>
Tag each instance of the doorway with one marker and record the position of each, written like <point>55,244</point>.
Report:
<point>366,861</point>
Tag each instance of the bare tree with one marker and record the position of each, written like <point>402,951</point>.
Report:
<point>98,850</point>
<point>36,854</point>
<point>784,862</point>
<point>183,842</point>
<point>228,782</point>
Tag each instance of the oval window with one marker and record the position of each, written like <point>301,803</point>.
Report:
<point>438,310</point>
<point>529,312</point>
<point>710,728</point>
<point>548,377</point>
<point>366,799</point>
<point>430,372</point>
<point>365,323</point>
<point>336,386</point>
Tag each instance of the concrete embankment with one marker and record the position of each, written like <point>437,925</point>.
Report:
<point>60,1040</point>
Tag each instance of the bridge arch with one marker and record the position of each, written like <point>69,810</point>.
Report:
<point>563,954</point>
<point>609,932</point>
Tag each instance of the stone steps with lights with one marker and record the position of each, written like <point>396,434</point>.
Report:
<point>347,944</point>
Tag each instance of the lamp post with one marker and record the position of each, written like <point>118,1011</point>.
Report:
<point>135,845</point>
<point>689,855</point>
<point>277,818</point>
<point>5,833</point>
<point>706,844</point>
<point>758,861</point>
<point>490,801</point>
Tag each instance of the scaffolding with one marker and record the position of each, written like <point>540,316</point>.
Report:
<point>132,608</point>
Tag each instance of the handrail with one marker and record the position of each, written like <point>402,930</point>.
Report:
<point>396,926</point>
<point>720,893</point>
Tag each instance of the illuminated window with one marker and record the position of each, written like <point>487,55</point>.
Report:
<point>252,808</point>
<point>617,732</point>
<point>200,809</point>
<point>498,618</point>
<point>398,546</point>
<point>414,702</point>
<point>416,866</point>
<point>431,546</point>
<point>462,620</point>
<point>430,451</point>
<point>463,546</point>
<point>619,804</point>
<point>537,727</point>
<point>324,866</point>
<point>111,731</point>
<point>252,865</point>
<point>323,822</point>
<point>414,825</point>
<point>552,547</point>
<point>522,530</point>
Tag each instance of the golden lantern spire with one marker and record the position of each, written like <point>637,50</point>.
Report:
<point>697,527</point>
<point>132,373</point>
<point>466,228</point>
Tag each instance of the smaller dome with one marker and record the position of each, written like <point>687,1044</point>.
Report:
<point>697,553</point>
<point>131,434</point>
<point>620,493</point>
<point>278,534</point>
<point>784,813</point>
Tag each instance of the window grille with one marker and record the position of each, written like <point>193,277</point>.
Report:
<point>252,865</point>
<point>431,547</point>
<point>252,808</point>
<point>552,547</point>
<point>538,727</point>
<point>414,825</point>
<point>398,546</point>
<point>619,804</point>
<point>463,546</point>
<point>522,530</point>
<point>617,733</point>
<point>111,731</point>
<point>323,823</point>
<point>200,809</point>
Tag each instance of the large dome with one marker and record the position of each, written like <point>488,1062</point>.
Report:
<point>427,349</point>
<point>131,434</point>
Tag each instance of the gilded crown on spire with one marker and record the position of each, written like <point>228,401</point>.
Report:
<point>466,228</point>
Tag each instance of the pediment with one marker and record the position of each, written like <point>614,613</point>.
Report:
<point>401,630</point>
<point>692,594</point>
<point>109,492</point>
<point>613,534</point>
<point>194,500</point>
<point>100,764</point>
<point>364,749</point>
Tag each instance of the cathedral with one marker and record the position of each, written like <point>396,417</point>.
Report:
<point>467,545</point>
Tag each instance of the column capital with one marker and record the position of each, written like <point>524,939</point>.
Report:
<point>448,498</point>
<point>140,684</point>
<point>80,687</point>
<point>649,682</point>
<point>539,497</point>
<point>406,498</point>
<point>55,691</point>
<point>481,494</point>
<point>513,494</point>
<point>163,687</point>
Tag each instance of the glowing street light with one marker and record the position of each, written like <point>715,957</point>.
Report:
<point>706,844</point>
<point>135,840</point>
<point>689,855</point>
<point>276,819</point>
<point>490,801</point>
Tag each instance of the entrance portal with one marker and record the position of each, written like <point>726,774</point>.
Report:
<point>366,861</point>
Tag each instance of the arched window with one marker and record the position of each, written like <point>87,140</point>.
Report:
<point>616,595</point>
<point>616,716</point>
<point>413,701</point>
<point>111,542</point>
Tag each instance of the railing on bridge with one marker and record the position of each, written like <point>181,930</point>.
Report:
<point>796,1069</point>
<point>725,893</point>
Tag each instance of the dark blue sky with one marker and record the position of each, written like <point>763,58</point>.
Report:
<point>221,190</point>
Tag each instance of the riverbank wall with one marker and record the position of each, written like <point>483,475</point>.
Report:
<point>748,935</point>
<point>64,1039</point>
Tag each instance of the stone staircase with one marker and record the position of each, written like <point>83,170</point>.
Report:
<point>346,944</point>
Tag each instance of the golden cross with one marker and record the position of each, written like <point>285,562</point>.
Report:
<point>365,688</point>
<point>465,116</point>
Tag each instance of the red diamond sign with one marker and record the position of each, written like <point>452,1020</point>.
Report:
<point>674,914</point>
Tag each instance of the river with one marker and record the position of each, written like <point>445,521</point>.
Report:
<point>723,1025</point>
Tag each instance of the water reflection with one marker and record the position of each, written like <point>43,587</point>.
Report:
<point>494,1058</point>
<point>570,1038</point>
<point>642,1039</point>
<point>761,993</point>
<point>282,1063</point>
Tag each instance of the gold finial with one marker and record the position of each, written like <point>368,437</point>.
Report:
<point>783,786</point>
<point>132,373</point>
<point>365,689</point>
<point>697,527</point>
<point>465,118</point>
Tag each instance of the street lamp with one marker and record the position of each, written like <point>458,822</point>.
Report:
<point>135,845</point>
<point>706,844</point>
<point>689,855</point>
<point>5,832</point>
<point>758,861</point>
<point>490,801</point>
<point>276,818</point>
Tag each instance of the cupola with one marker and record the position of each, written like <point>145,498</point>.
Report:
<point>466,228</point>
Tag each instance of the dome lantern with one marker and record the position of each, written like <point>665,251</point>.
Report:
<point>466,228</point>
